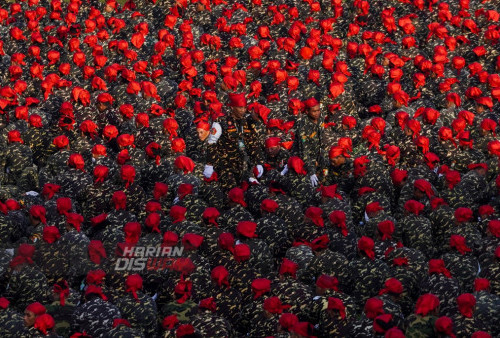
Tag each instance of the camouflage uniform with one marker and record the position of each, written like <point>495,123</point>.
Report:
<point>446,289</point>
<point>417,233</point>
<point>254,322</point>
<point>75,245</point>
<point>63,316</point>
<point>74,183</point>
<point>238,150</point>
<point>308,144</point>
<point>11,323</point>
<point>465,327</point>
<point>52,260</point>
<point>184,311</point>
<point>140,313</point>
<point>487,309</point>
<point>366,282</point>
<point>419,326</point>
<point>27,286</point>
<point>95,317</point>
<point>19,167</point>
<point>124,331</point>
<point>210,325</point>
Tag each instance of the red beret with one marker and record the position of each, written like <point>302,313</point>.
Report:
<point>236,195</point>
<point>185,164</point>
<point>311,102</point>
<point>211,214</point>
<point>192,241</point>
<point>237,100</point>
<point>366,245</point>
<point>392,285</point>
<point>314,214</point>
<point>386,228</point>
<point>297,165</point>
<point>241,252</point>
<point>478,166</point>
<point>4,303</point>
<point>132,232</point>
<point>338,218</point>
<point>494,228</point>
<point>436,266</point>
<point>463,214</point>
<point>247,229</point>
<point>327,282</point>
<point>170,239</point>
<point>414,207</point>
<point>426,303</point>
<point>220,275</point>
<point>50,234</point>
<point>424,186</point>
<point>337,304</point>
<point>330,191</point>
<point>337,151</point>
<point>272,142</point>
<point>269,206</point>
<point>320,243</point>
<point>373,307</point>
<point>44,323</point>
<point>38,211</point>
<point>226,241</point>
<point>177,213</point>
<point>119,200</point>
<point>458,242</point>
<point>76,161</point>
<point>466,303</point>
<point>96,252</point>
<point>481,284</point>
<point>373,207</point>
<point>37,308</point>
<point>133,283</point>
<point>288,267</point>
<point>260,286</point>
<point>127,174</point>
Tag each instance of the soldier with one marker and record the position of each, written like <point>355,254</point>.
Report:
<point>423,320</point>
<point>50,255</point>
<point>75,244</point>
<point>308,140</point>
<point>18,163</point>
<point>136,307</point>
<point>96,315</point>
<point>339,170</point>
<point>361,271</point>
<point>209,324</point>
<point>62,307</point>
<point>122,327</point>
<point>240,143</point>
<point>465,321</point>
<point>416,230</point>
<point>27,283</point>
<point>441,283</point>
<point>11,320</point>
<point>74,180</point>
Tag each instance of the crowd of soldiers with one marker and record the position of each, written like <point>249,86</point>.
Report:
<point>321,168</point>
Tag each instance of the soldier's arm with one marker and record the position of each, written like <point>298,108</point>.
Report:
<point>3,163</point>
<point>305,151</point>
<point>255,153</point>
<point>12,289</point>
<point>212,155</point>
<point>215,140</point>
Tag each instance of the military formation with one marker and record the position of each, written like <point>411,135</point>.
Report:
<point>316,168</point>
